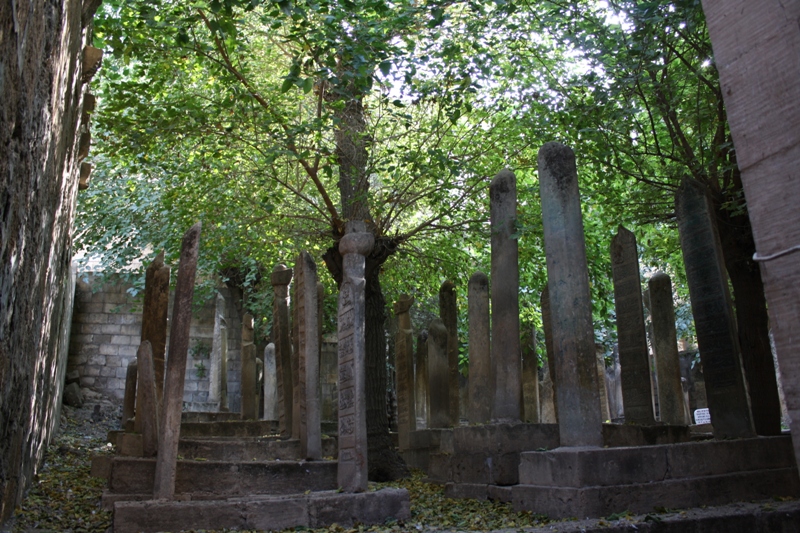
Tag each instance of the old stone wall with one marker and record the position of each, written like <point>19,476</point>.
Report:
<point>41,94</point>
<point>106,331</point>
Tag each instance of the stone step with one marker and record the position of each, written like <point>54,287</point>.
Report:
<point>248,448</point>
<point>229,428</point>
<point>264,513</point>
<point>206,416</point>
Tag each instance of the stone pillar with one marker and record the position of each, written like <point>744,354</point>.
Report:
<point>448,312</point>
<point>715,323</point>
<point>147,409</point>
<point>154,318</point>
<point>249,408</point>
<point>438,375</point>
<point>129,400</point>
<point>215,375</point>
<point>637,399</point>
<point>579,419</point>
<point>307,327</point>
<point>281,277</point>
<point>170,429</point>
<point>665,347</point>
<point>223,368</point>
<point>506,355</point>
<point>352,473</point>
<point>421,403</point>
<point>270,384</point>
<point>404,364</point>
<point>530,377</point>
<point>547,326</point>
<point>296,402</point>
<point>481,381</point>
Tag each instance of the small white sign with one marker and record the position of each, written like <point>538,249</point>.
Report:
<point>702,416</point>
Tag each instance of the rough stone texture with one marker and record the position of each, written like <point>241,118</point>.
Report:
<point>421,401</point>
<point>481,381</point>
<point>41,96</point>
<point>756,48</point>
<point>73,396</point>
<point>672,407</point>
<point>129,400</point>
<point>248,372</point>
<point>448,312</point>
<point>547,326</point>
<point>281,277</point>
<point>354,246</point>
<point>506,356</point>
<point>307,326</point>
<point>148,408</point>
<point>439,397</point>
<point>712,309</point>
<point>637,399</point>
<point>270,384</point>
<point>243,449</point>
<point>530,377</point>
<point>404,365</point>
<point>154,318</point>
<point>273,513</point>
<point>570,300</point>
<point>218,359</point>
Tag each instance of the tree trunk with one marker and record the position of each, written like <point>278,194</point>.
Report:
<point>752,320</point>
<point>385,463</point>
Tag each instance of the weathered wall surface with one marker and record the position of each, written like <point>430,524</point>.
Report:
<point>757,52</point>
<point>41,94</point>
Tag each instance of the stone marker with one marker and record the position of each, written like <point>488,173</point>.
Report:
<point>129,400</point>
<point>354,246</point>
<point>270,384</point>
<point>296,403</point>
<point>448,312</point>
<point>249,407</point>
<point>223,368</point>
<point>215,375</point>
<point>547,326</point>
<point>170,429</point>
<point>506,355</point>
<point>421,395</point>
<point>530,377</point>
<point>481,381</point>
<point>579,419</point>
<point>281,277</point>
<point>665,346</point>
<point>154,317</point>
<point>438,375</point>
<point>404,364</point>
<point>637,400</point>
<point>147,410</point>
<point>717,339</point>
<point>307,327</point>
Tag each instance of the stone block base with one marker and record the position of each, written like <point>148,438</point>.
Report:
<point>270,513</point>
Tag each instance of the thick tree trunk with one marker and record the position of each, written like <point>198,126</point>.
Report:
<point>752,320</point>
<point>385,463</point>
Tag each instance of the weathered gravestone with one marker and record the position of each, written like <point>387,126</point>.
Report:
<point>530,377</point>
<point>248,374</point>
<point>506,356</point>
<point>154,320</point>
<point>421,403</point>
<point>270,384</point>
<point>547,326</point>
<point>281,277</point>
<point>438,380</point>
<point>637,400</point>
<point>147,409</point>
<point>727,396</point>
<point>307,393</point>
<point>579,419</point>
<point>129,399</point>
<point>448,312</point>
<point>218,363</point>
<point>481,381</point>
<point>404,364</point>
<point>665,346</point>
<point>352,473</point>
<point>169,432</point>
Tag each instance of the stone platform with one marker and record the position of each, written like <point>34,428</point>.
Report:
<point>591,482</point>
<point>264,513</point>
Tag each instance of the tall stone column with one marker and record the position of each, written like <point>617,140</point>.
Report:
<point>637,398</point>
<point>170,430</point>
<point>223,367</point>
<point>248,373</point>
<point>270,384</point>
<point>448,312</point>
<point>547,326</point>
<point>579,419</point>
<point>728,401</point>
<point>438,375</point>
<point>530,377</point>
<point>154,318</point>
<point>307,327</point>
<point>215,375</point>
<point>129,399</point>
<point>281,277</point>
<point>481,381</point>
<point>665,346</point>
<point>404,363</point>
<point>147,409</point>
<point>352,472</point>
<point>421,403</point>
<point>506,355</point>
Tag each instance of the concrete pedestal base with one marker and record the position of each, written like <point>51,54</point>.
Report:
<point>263,513</point>
<point>591,482</point>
